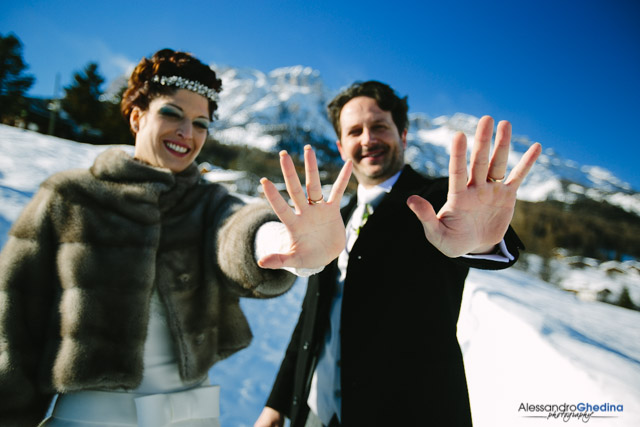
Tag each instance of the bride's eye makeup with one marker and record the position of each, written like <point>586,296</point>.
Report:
<point>170,111</point>
<point>201,123</point>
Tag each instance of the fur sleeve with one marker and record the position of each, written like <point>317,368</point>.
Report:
<point>26,272</point>
<point>236,257</point>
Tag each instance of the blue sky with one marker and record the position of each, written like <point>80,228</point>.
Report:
<point>565,73</point>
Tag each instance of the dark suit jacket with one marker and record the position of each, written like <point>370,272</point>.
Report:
<point>401,364</point>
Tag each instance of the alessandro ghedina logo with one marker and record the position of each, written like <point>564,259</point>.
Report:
<point>567,412</point>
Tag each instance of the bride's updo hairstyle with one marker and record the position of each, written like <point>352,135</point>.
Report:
<point>166,72</point>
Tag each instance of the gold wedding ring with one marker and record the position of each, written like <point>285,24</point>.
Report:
<point>315,202</point>
<point>495,180</point>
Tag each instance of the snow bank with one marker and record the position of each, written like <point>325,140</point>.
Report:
<point>525,342</point>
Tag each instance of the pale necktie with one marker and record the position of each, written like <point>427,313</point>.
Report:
<point>358,220</point>
<point>368,210</point>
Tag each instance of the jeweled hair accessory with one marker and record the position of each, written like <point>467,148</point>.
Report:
<point>182,83</point>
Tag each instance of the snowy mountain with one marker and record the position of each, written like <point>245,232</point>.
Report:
<point>527,345</point>
<point>286,109</point>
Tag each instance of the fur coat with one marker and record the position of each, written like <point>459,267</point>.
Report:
<point>80,265</point>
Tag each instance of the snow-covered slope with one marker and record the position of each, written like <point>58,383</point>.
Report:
<point>524,341</point>
<point>26,159</point>
<point>527,342</point>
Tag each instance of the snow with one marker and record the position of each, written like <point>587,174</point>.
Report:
<point>27,158</point>
<point>525,342</point>
<point>252,102</point>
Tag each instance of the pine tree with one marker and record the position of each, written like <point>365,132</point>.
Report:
<point>115,129</point>
<point>13,83</point>
<point>625,299</point>
<point>82,98</point>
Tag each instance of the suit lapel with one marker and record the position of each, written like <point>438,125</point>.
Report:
<point>348,209</point>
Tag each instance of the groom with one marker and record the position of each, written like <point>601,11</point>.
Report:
<point>375,344</point>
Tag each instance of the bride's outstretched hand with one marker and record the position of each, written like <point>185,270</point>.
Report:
<point>479,206</point>
<point>315,226</point>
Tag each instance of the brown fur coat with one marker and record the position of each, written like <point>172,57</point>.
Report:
<point>80,265</point>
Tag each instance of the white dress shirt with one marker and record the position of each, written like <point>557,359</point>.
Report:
<point>325,394</point>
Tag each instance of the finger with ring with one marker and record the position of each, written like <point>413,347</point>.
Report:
<point>315,202</point>
<point>494,179</point>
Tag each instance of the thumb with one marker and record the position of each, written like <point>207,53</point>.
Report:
<point>274,261</point>
<point>425,213</point>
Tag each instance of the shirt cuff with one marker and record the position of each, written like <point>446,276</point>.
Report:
<point>273,238</point>
<point>502,254</point>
